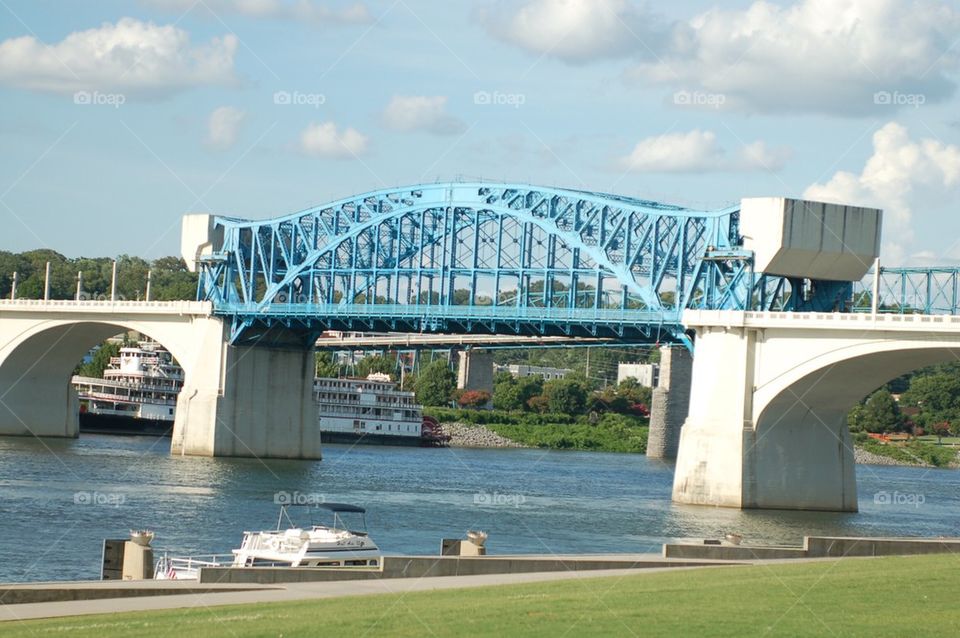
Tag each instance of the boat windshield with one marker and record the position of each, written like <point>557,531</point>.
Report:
<point>339,516</point>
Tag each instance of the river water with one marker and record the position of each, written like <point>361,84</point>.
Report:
<point>60,498</point>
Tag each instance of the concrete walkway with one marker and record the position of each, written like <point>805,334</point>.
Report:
<point>292,591</point>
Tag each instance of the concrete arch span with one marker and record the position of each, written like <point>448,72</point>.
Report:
<point>771,431</point>
<point>254,401</point>
<point>36,397</point>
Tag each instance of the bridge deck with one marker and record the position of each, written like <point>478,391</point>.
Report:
<point>823,320</point>
<point>202,308</point>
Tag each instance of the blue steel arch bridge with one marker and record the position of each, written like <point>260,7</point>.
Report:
<point>490,258</point>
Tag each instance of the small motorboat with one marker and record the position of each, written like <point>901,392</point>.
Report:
<point>333,544</point>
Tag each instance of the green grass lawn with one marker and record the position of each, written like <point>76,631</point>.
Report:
<point>897,596</point>
<point>947,440</point>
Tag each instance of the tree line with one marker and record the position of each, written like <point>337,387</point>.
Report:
<point>929,403</point>
<point>170,279</point>
<point>435,385</point>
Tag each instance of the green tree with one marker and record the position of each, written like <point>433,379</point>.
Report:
<point>937,395</point>
<point>132,277</point>
<point>631,390</point>
<point>100,360</point>
<point>855,418</point>
<point>941,429</point>
<point>539,404</point>
<point>881,413</point>
<point>565,396</point>
<point>325,366</point>
<point>171,280</point>
<point>376,363</point>
<point>435,384</point>
<point>506,393</point>
<point>514,394</point>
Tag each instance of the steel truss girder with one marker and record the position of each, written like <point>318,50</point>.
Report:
<point>490,258</point>
<point>931,290</point>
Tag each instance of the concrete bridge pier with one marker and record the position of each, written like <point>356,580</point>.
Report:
<point>251,401</point>
<point>767,425</point>
<point>475,370</point>
<point>671,402</point>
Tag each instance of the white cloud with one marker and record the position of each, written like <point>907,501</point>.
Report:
<point>575,31</point>
<point>421,113</point>
<point>223,127</point>
<point>847,57</point>
<point>698,152</point>
<point>902,176</point>
<point>133,57</point>
<point>325,140</point>
<point>295,10</point>
<point>827,56</point>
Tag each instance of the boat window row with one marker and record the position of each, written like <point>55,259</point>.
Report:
<point>388,427</point>
<point>333,408</point>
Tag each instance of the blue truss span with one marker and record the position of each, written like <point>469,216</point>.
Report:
<point>487,258</point>
<point>933,290</point>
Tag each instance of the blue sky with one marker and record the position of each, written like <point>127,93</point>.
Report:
<point>119,117</point>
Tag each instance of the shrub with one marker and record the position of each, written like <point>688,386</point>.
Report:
<point>473,399</point>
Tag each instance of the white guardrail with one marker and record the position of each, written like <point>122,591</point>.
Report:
<point>826,320</point>
<point>107,306</point>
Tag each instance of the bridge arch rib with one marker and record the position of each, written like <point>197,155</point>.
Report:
<point>802,424</point>
<point>480,257</point>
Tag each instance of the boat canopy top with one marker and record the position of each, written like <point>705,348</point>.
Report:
<point>333,507</point>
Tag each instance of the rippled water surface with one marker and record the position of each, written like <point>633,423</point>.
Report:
<point>59,499</point>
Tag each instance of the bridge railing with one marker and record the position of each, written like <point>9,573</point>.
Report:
<point>640,325</point>
<point>910,290</point>
<point>521,313</point>
<point>97,305</point>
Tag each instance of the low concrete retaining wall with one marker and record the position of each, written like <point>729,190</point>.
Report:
<point>62,592</point>
<point>838,546</point>
<point>731,552</point>
<point>817,547</point>
<point>432,566</point>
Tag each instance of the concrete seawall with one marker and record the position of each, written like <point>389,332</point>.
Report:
<point>816,547</point>
<point>438,566</point>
